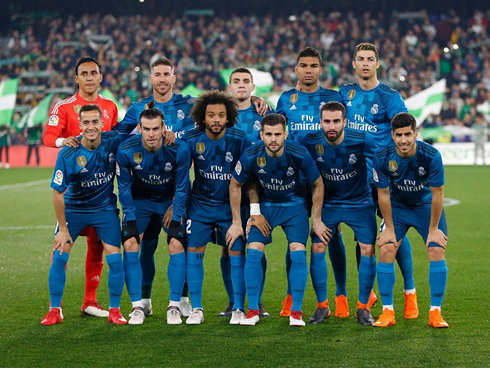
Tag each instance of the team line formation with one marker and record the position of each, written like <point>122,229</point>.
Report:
<point>334,156</point>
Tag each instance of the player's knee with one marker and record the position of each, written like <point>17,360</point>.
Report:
<point>318,247</point>
<point>175,247</point>
<point>435,252</point>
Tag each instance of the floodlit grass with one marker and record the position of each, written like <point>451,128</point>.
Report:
<point>88,341</point>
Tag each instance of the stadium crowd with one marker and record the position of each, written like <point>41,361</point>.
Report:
<point>417,49</point>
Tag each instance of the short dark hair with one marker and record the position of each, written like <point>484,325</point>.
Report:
<point>309,52</point>
<point>402,120</point>
<point>241,70</point>
<point>333,106</point>
<point>198,112</point>
<point>163,61</point>
<point>273,120</point>
<point>89,107</point>
<point>87,59</point>
<point>150,112</point>
<point>366,46</point>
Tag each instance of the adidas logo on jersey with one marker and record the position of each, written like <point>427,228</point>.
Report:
<point>138,167</point>
<point>320,159</point>
<point>293,107</point>
<point>349,103</point>
<point>201,157</point>
<point>84,170</point>
<point>261,171</point>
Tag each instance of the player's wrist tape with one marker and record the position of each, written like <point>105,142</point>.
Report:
<point>254,209</point>
<point>59,142</point>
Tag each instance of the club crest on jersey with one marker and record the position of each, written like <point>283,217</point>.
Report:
<point>228,157</point>
<point>106,115</point>
<point>374,109</point>
<point>82,161</point>
<point>261,162</point>
<point>77,108</point>
<point>138,157</point>
<point>352,159</point>
<point>351,94</point>
<point>58,177</point>
<point>200,147</point>
<point>180,114</point>
<point>53,120</point>
<point>375,176</point>
<point>294,98</point>
<point>393,165</point>
<point>257,126</point>
<point>290,171</point>
<point>421,171</point>
<point>168,166</point>
<point>112,157</point>
<point>319,149</point>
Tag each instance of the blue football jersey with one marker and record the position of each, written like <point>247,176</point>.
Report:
<point>302,110</point>
<point>249,121</point>
<point>176,113</point>
<point>409,179</point>
<point>372,111</point>
<point>155,176</point>
<point>279,178</point>
<point>87,176</point>
<point>214,161</point>
<point>343,168</point>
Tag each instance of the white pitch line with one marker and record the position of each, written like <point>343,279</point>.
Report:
<point>24,185</point>
<point>28,227</point>
<point>451,202</point>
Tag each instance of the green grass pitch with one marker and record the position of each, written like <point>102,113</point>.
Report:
<point>26,230</point>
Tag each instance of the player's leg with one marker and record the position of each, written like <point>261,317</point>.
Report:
<point>288,302</point>
<point>176,273</point>
<point>404,260</point>
<point>225,266</point>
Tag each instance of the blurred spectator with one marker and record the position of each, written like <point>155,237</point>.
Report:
<point>480,138</point>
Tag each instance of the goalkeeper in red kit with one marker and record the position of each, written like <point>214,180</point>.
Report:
<point>62,129</point>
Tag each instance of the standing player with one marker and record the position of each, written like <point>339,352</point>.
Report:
<point>86,173</point>
<point>277,163</point>
<point>302,111</point>
<point>215,145</point>
<point>340,156</point>
<point>370,107</point>
<point>63,129</point>
<point>148,173</point>
<point>413,172</point>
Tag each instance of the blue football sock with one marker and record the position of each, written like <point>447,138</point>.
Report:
<point>338,259</point>
<point>133,274</point>
<point>288,268</point>
<point>195,277</point>
<point>437,282</point>
<point>57,278</point>
<point>298,278</point>
<point>319,275</point>
<point>386,281</point>
<point>238,279</point>
<point>404,260</point>
<point>253,277</point>
<point>367,274</point>
<point>226,274</point>
<point>176,275</point>
<point>264,271</point>
<point>115,279</point>
<point>147,261</point>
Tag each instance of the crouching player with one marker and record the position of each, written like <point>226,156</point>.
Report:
<point>414,172</point>
<point>148,171</point>
<point>86,173</point>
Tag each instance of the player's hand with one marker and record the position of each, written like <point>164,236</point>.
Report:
<point>322,231</point>
<point>176,231</point>
<point>438,237</point>
<point>168,216</point>
<point>169,137</point>
<point>261,105</point>
<point>233,233</point>
<point>61,239</point>
<point>71,142</point>
<point>387,236</point>
<point>260,223</point>
<point>130,230</point>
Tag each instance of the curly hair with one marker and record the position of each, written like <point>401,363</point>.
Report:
<point>198,112</point>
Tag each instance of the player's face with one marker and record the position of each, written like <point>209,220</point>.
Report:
<point>405,141</point>
<point>274,137</point>
<point>365,64</point>
<point>91,125</point>
<point>88,78</point>
<point>151,132</point>
<point>241,86</point>
<point>333,126</point>
<point>215,120</point>
<point>162,79</point>
<point>308,70</point>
